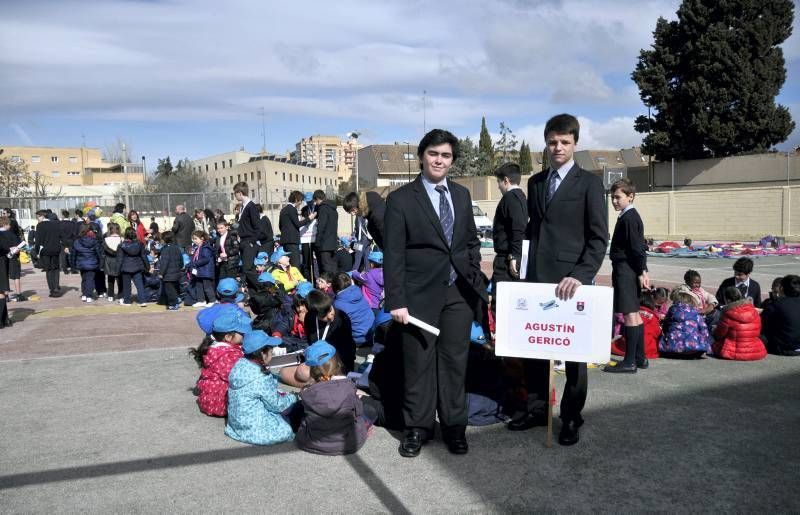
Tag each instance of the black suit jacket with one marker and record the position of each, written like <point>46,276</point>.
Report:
<point>753,292</point>
<point>327,226</point>
<point>569,236</point>
<point>182,228</point>
<point>289,225</point>
<point>417,258</point>
<point>48,238</point>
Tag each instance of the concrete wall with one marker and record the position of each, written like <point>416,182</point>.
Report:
<point>753,171</point>
<point>744,214</point>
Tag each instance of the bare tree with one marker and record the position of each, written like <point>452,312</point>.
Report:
<point>112,153</point>
<point>14,177</point>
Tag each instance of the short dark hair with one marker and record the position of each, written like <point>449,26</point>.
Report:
<point>326,276</point>
<point>119,208</point>
<point>200,234</point>
<point>625,185</point>
<point>434,138</point>
<point>65,213</point>
<point>731,294</point>
<point>319,195</point>
<point>647,299</point>
<point>260,208</point>
<point>510,171</point>
<point>690,276</point>
<point>319,302</point>
<point>79,213</point>
<point>743,265</point>
<point>350,202</point>
<point>341,281</point>
<point>791,285</point>
<point>563,124</point>
<point>130,233</point>
<point>41,212</point>
<point>295,196</point>
<point>241,187</point>
<point>168,237</point>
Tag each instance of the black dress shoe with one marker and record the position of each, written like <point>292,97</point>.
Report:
<point>644,365</point>
<point>528,421</point>
<point>569,432</point>
<point>621,368</point>
<point>458,445</point>
<point>412,443</point>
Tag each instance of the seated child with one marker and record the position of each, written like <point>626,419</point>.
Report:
<point>781,319</point>
<point>284,273</point>
<point>737,335</point>
<point>661,301</point>
<point>266,300</point>
<point>685,330</point>
<point>333,421</point>
<point>705,302</point>
<point>217,355</point>
<point>775,292</point>
<point>350,300</point>
<point>344,255</point>
<point>260,263</point>
<point>325,322</point>
<point>325,283</point>
<point>230,297</point>
<point>372,280</point>
<point>255,404</point>
<point>289,327</point>
<point>652,328</point>
<point>741,280</point>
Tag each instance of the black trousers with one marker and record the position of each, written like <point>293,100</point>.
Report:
<point>537,376</point>
<point>171,291</point>
<point>295,256</point>
<point>249,251</point>
<point>50,266</point>
<point>434,368</point>
<point>500,273</point>
<point>100,281</point>
<point>87,282</point>
<point>327,263</point>
<point>113,280</point>
<point>65,260</point>
<point>309,270</point>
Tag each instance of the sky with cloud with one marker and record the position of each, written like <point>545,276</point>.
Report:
<point>188,78</point>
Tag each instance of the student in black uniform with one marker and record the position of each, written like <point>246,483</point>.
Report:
<point>289,224</point>
<point>49,246</point>
<point>508,229</point>
<point>266,236</point>
<point>326,242</point>
<point>628,256</point>
<point>249,229</point>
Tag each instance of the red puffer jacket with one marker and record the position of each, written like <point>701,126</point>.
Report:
<point>736,336</point>
<point>652,330</point>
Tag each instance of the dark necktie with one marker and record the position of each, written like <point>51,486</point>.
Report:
<point>743,290</point>
<point>551,186</point>
<point>446,219</point>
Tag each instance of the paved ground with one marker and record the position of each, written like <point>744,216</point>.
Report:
<point>98,417</point>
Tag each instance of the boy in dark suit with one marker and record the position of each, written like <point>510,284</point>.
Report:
<point>249,228</point>
<point>508,229</point>
<point>742,281</point>
<point>431,266</point>
<point>628,256</point>
<point>327,223</point>
<point>568,231</point>
<point>289,224</point>
<point>49,245</point>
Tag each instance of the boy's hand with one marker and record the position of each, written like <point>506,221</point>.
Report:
<point>567,287</point>
<point>644,281</point>
<point>400,315</point>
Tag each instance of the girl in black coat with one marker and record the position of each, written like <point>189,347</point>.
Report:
<point>132,263</point>
<point>170,268</point>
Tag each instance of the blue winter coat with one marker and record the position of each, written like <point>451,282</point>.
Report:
<point>131,257</point>
<point>255,405</point>
<point>204,262</point>
<point>88,253</point>
<point>685,331</point>
<point>352,301</point>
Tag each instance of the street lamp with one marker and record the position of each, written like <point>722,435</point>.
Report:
<point>354,135</point>
<point>144,170</point>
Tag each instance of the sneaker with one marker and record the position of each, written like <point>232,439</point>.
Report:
<point>83,298</point>
<point>102,296</point>
<point>111,299</point>
<point>199,305</point>
<point>176,307</point>
<point>143,304</point>
<point>122,302</point>
<point>89,299</point>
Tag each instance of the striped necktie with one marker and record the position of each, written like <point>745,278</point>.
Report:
<point>446,219</point>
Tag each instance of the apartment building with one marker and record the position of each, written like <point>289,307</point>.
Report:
<point>73,168</point>
<point>328,153</point>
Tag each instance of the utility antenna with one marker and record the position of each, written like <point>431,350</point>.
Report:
<point>263,132</point>
<point>424,106</point>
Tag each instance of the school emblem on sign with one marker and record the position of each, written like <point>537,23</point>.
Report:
<point>580,305</point>
<point>522,303</point>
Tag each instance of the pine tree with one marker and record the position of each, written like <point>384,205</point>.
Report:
<point>712,77</point>
<point>545,160</point>
<point>525,161</point>
<point>485,145</point>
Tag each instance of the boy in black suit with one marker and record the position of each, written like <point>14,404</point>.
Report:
<point>49,245</point>
<point>249,228</point>
<point>508,229</point>
<point>568,231</point>
<point>628,256</point>
<point>289,224</point>
<point>432,271</point>
<point>742,281</point>
<point>327,224</point>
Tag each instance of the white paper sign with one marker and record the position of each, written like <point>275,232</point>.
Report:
<point>533,323</point>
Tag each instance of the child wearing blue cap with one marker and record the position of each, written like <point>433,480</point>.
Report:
<point>260,264</point>
<point>267,299</point>
<point>217,355</point>
<point>258,412</point>
<point>371,281</point>
<point>324,322</point>
<point>333,415</point>
<point>283,272</point>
